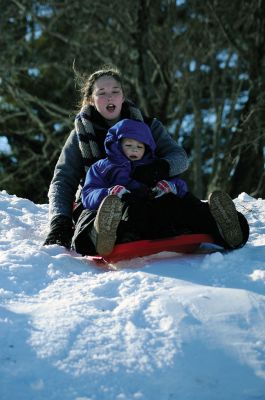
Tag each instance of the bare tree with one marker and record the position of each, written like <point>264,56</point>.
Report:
<point>195,66</point>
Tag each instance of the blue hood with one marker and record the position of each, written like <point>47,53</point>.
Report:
<point>129,128</point>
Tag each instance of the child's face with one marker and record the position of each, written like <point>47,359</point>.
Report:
<point>133,149</point>
<point>107,98</point>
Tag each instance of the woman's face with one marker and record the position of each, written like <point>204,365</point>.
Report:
<point>107,97</point>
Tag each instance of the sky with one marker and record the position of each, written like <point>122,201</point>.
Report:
<point>163,327</point>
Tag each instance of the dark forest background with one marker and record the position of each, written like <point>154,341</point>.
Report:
<point>198,66</point>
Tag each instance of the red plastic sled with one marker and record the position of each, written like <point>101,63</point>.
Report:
<point>179,244</point>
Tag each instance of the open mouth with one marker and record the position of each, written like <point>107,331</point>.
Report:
<point>111,107</point>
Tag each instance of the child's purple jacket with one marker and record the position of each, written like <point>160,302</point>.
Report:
<point>116,168</point>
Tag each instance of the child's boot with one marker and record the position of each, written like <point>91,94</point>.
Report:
<point>105,225</point>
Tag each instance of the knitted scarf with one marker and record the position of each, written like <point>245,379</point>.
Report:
<point>86,134</point>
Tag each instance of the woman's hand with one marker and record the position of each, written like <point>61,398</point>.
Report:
<point>61,232</point>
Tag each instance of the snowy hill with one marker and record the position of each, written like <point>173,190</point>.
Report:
<point>159,328</point>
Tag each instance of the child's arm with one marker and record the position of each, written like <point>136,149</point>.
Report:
<point>95,188</point>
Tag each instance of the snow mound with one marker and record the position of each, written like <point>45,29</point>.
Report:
<point>160,327</point>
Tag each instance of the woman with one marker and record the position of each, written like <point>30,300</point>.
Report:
<point>103,104</point>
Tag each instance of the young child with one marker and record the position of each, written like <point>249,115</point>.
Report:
<point>128,144</point>
<point>127,209</point>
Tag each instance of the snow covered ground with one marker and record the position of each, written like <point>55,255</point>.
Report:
<point>159,328</point>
